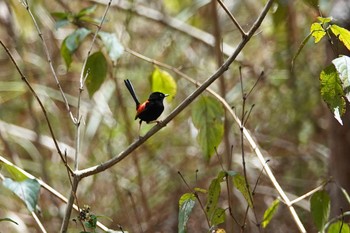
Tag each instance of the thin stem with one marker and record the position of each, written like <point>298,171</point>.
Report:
<point>37,220</point>
<point>48,56</point>
<point>232,18</point>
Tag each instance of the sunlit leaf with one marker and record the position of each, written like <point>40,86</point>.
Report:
<point>207,117</point>
<point>332,92</point>
<point>320,208</point>
<point>270,212</point>
<point>200,190</point>
<point>242,186</point>
<point>96,70</point>
<point>218,217</point>
<point>317,32</point>
<point>342,65</point>
<point>163,82</point>
<point>112,44</point>
<point>14,173</point>
<point>213,197</point>
<point>186,204</point>
<point>339,227</point>
<point>27,190</point>
<point>324,20</point>
<point>342,34</point>
<point>71,43</point>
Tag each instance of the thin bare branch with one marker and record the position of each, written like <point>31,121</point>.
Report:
<point>222,4</point>
<point>48,56</point>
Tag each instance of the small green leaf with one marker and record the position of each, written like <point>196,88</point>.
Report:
<point>213,197</point>
<point>71,43</point>
<point>242,186</point>
<point>324,20</point>
<point>342,65</point>
<point>27,191</point>
<point>339,227</point>
<point>8,220</point>
<point>320,208</point>
<point>14,173</point>
<point>163,82</point>
<point>185,197</point>
<point>317,32</point>
<point>92,222</point>
<point>112,44</point>
<point>218,217</point>
<point>270,212</point>
<point>96,71</point>
<point>62,18</point>
<point>86,11</point>
<point>343,35</point>
<point>332,92</point>
<point>207,117</point>
<point>221,176</point>
<point>200,190</point>
<point>186,204</point>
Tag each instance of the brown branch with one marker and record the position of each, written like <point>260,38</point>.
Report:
<point>222,4</point>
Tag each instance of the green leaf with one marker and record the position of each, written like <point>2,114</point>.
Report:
<point>96,71</point>
<point>112,44</point>
<point>270,212</point>
<point>62,18</point>
<point>200,190</point>
<point>14,173</point>
<point>8,220</point>
<point>207,117</point>
<point>323,20</point>
<point>339,227</point>
<point>86,11</point>
<point>213,197</point>
<point>92,223</point>
<point>71,43</point>
<point>342,65</point>
<point>186,204</point>
<point>320,208</point>
<point>241,185</point>
<point>163,82</point>
<point>343,35</point>
<point>332,92</point>
<point>221,176</point>
<point>27,191</point>
<point>218,217</point>
<point>317,32</point>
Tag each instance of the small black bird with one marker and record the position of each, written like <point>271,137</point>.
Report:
<point>149,110</point>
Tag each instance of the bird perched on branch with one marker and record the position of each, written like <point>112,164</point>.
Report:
<point>149,110</point>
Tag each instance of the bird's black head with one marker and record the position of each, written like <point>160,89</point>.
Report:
<point>157,96</point>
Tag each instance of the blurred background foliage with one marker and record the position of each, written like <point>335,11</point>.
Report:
<point>289,121</point>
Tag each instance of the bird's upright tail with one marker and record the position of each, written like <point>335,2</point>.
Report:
<point>132,91</point>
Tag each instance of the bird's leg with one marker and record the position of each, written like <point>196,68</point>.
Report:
<point>140,128</point>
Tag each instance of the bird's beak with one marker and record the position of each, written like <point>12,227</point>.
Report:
<point>166,95</point>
